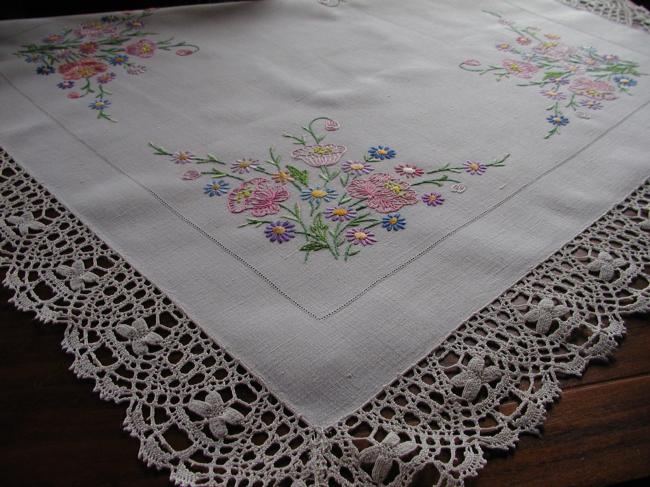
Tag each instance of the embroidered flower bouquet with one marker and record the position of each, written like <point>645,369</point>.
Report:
<point>339,206</point>
<point>574,78</point>
<point>85,55</point>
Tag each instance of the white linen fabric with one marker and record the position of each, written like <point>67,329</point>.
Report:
<point>535,158</point>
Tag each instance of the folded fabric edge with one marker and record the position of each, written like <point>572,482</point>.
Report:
<point>620,11</point>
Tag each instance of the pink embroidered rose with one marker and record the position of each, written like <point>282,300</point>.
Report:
<point>471,62</point>
<point>596,90</point>
<point>144,48</point>
<point>259,196</point>
<point>184,52</point>
<point>73,95</point>
<point>383,193</point>
<point>555,50</point>
<point>319,155</point>
<point>84,68</point>
<point>523,40</point>
<point>519,68</point>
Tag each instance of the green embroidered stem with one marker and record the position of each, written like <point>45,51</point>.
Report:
<point>309,128</point>
<point>446,168</point>
<point>87,87</point>
<point>328,176</point>
<point>440,182</point>
<point>159,150</point>
<point>219,174</point>
<point>367,158</point>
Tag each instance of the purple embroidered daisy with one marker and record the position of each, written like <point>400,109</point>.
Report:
<point>182,157</point>
<point>553,94</point>
<point>357,168</point>
<point>216,187</point>
<point>474,167</point>
<point>280,231</point>
<point>393,222</point>
<point>591,104</point>
<point>105,78</point>
<point>340,213</point>
<point>244,166</point>
<point>99,104</point>
<point>433,199</point>
<point>64,85</point>
<point>360,236</point>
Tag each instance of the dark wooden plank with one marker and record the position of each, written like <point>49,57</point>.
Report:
<point>597,435</point>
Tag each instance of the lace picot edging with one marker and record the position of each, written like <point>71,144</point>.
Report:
<point>201,414</point>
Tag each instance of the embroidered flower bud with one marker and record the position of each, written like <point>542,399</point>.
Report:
<point>332,125</point>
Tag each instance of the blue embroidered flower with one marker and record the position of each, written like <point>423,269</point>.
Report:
<point>557,120</point>
<point>317,194</point>
<point>393,221</point>
<point>381,152</point>
<point>118,59</point>
<point>64,85</point>
<point>45,70</point>
<point>624,81</point>
<point>99,104</point>
<point>216,187</point>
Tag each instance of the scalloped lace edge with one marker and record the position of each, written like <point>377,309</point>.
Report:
<point>621,11</point>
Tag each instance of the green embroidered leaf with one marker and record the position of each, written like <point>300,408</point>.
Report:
<point>313,247</point>
<point>319,229</point>
<point>300,176</point>
<point>554,74</point>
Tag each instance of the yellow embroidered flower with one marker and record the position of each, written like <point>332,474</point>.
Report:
<point>282,177</point>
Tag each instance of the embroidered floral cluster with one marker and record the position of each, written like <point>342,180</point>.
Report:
<point>577,79</point>
<point>87,56</point>
<point>328,202</point>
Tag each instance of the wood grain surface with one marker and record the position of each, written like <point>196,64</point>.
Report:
<point>57,433</point>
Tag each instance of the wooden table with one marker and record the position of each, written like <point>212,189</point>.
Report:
<point>57,432</point>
